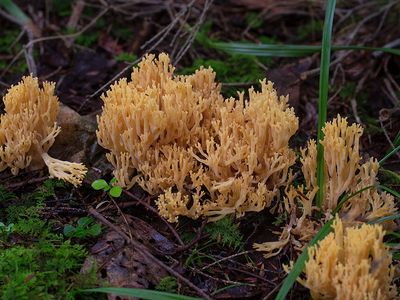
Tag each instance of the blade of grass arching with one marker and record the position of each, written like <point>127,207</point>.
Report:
<point>300,262</point>
<point>282,50</point>
<point>396,140</point>
<point>393,234</point>
<point>387,156</point>
<point>391,175</point>
<point>395,144</point>
<point>267,50</point>
<point>323,96</point>
<point>347,198</point>
<point>390,191</point>
<point>141,293</point>
<point>15,11</point>
<point>385,219</point>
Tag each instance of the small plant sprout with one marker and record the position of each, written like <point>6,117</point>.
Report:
<point>6,230</point>
<point>111,187</point>
<point>86,227</point>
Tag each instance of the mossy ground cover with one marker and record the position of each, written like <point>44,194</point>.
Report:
<point>37,260</point>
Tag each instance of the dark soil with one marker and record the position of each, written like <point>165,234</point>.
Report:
<point>364,87</point>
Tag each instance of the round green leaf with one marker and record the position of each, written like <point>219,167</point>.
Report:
<point>99,184</point>
<point>69,230</point>
<point>115,191</point>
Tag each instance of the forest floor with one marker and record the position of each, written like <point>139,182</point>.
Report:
<point>54,232</point>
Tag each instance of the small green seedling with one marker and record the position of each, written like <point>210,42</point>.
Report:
<point>86,227</point>
<point>6,230</point>
<point>112,189</point>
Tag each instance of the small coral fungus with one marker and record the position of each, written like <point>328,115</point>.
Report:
<point>28,129</point>
<point>345,174</point>
<point>345,177</point>
<point>351,263</point>
<point>178,136</point>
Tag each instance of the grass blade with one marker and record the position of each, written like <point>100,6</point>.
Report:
<point>387,156</point>
<point>323,96</point>
<point>267,50</point>
<point>301,260</point>
<point>346,198</point>
<point>141,293</point>
<point>385,219</point>
<point>390,191</point>
<point>15,11</point>
<point>277,50</point>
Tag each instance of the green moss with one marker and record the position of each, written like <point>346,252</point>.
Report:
<point>29,205</point>
<point>225,232</point>
<point>88,39</point>
<point>167,284</point>
<point>253,20</point>
<point>42,265</point>
<point>62,8</point>
<point>35,261</point>
<point>126,57</point>
<point>8,37</point>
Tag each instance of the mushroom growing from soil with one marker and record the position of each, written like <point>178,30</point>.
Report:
<point>205,155</point>
<point>28,129</point>
<point>350,263</point>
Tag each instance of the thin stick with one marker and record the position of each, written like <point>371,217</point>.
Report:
<point>55,37</point>
<point>152,209</point>
<point>226,258</point>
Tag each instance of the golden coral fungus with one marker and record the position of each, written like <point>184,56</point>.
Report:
<point>28,129</point>
<point>210,156</point>
<point>345,176</point>
<point>350,263</point>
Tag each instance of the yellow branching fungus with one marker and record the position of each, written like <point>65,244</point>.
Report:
<point>178,136</point>
<point>28,129</point>
<point>345,176</point>
<point>350,263</point>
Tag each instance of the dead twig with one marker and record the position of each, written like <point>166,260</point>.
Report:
<point>155,211</point>
<point>50,38</point>
<point>219,279</point>
<point>144,251</point>
<point>194,241</point>
<point>27,182</point>
<point>193,32</point>
<point>226,258</point>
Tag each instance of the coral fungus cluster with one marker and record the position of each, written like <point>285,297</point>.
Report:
<point>203,155</point>
<point>350,263</point>
<point>346,177</point>
<point>28,129</point>
<point>206,155</point>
